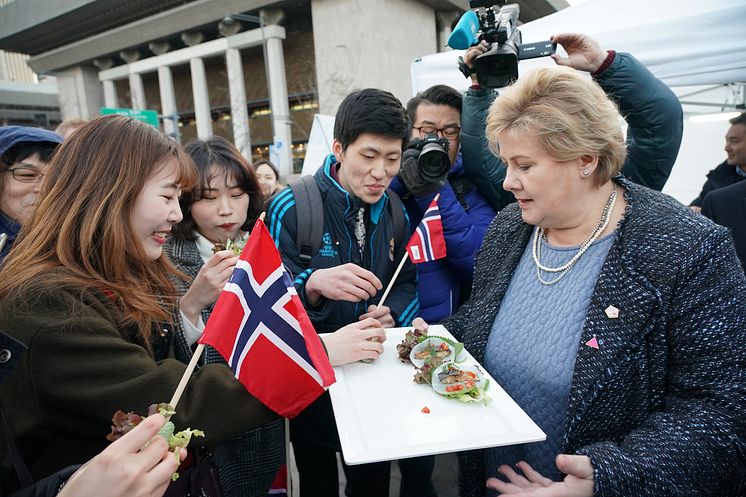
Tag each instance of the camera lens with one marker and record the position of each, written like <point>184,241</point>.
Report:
<point>434,161</point>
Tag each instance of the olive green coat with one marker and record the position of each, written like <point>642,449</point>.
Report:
<point>82,365</point>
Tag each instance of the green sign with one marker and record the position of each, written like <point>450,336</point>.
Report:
<point>146,116</point>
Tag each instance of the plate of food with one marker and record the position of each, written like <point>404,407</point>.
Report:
<point>412,417</point>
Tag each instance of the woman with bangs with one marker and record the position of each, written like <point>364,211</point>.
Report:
<point>221,208</point>
<point>609,312</point>
<point>88,291</point>
<point>79,290</point>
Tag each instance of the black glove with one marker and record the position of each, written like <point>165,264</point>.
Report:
<point>409,174</point>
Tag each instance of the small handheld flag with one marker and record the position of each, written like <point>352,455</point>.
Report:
<point>260,327</point>
<point>427,242</point>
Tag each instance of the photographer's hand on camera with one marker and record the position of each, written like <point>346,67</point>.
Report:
<point>470,56</point>
<point>411,176</point>
<point>583,52</point>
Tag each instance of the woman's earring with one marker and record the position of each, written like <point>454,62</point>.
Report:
<point>586,172</point>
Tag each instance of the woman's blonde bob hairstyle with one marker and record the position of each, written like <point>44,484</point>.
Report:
<point>569,114</point>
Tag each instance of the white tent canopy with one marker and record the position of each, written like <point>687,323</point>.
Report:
<point>683,42</point>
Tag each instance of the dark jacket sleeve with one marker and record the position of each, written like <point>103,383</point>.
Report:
<point>90,344</point>
<point>705,408</point>
<point>708,208</point>
<point>654,116</point>
<point>706,188</point>
<point>47,487</point>
<point>481,166</point>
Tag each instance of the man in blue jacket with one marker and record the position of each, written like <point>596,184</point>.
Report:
<point>343,281</point>
<point>465,214</point>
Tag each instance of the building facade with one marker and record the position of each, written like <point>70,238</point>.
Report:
<point>253,71</point>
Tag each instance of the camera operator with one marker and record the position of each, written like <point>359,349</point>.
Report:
<point>432,165</point>
<point>652,111</point>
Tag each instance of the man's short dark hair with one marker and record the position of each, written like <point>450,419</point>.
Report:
<point>739,119</point>
<point>435,95</point>
<point>370,111</point>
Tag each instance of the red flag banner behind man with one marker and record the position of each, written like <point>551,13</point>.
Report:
<point>261,329</point>
<point>427,242</point>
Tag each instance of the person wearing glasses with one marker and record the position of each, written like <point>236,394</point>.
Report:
<point>24,155</point>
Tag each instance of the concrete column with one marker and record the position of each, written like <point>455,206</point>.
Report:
<point>239,114</point>
<point>278,95</point>
<point>110,94</point>
<point>80,92</point>
<point>445,18</point>
<point>168,99</point>
<point>201,98</point>
<point>346,61</point>
<point>137,92</point>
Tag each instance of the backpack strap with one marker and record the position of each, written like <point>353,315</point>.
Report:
<point>309,213</point>
<point>401,226</point>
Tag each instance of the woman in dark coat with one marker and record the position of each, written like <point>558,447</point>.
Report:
<point>613,315</point>
<point>88,291</point>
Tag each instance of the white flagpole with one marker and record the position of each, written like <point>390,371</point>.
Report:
<point>393,279</point>
<point>398,269</point>
<point>187,375</point>
<point>289,475</point>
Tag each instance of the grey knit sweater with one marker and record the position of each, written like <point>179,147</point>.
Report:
<point>660,406</point>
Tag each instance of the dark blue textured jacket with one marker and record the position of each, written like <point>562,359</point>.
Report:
<point>651,109</point>
<point>339,247</point>
<point>440,281</point>
<point>660,406</point>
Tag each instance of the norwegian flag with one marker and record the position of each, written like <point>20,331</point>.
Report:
<point>427,242</point>
<point>261,329</point>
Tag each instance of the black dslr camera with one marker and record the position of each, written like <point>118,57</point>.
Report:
<point>433,161</point>
<point>497,67</point>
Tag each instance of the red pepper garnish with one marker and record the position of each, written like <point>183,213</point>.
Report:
<point>454,388</point>
<point>426,410</point>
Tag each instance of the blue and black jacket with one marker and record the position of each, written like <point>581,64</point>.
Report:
<point>464,225</point>
<point>384,249</point>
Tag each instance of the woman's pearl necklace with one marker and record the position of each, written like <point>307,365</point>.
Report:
<point>540,234</point>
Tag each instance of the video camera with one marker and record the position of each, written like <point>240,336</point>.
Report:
<point>498,66</point>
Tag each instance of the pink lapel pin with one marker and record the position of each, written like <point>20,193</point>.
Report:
<point>592,343</point>
<point>611,312</point>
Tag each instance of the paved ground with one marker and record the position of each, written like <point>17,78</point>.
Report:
<point>444,476</point>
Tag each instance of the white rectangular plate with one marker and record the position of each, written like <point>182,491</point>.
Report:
<point>379,415</point>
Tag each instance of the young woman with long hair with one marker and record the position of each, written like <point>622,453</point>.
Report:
<point>89,292</point>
